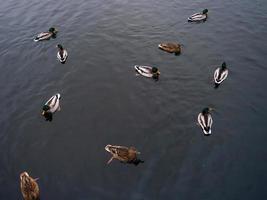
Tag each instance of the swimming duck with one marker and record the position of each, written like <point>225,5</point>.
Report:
<point>220,75</point>
<point>147,71</point>
<point>205,120</point>
<point>197,17</point>
<point>51,106</point>
<point>46,35</point>
<point>171,47</point>
<point>123,154</point>
<point>62,54</point>
<point>29,187</point>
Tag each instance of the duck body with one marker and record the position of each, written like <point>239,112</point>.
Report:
<point>62,56</point>
<point>43,36</point>
<point>51,106</point>
<point>123,154</point>
<point>46,35</point>
<point>199,17</point>
<point>219,76</point>
<point>205,121</point>
<point>147,71</point>
<point>29,187</point>
<point>171,47</point>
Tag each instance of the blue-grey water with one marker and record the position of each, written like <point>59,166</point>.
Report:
<point>104,102</point>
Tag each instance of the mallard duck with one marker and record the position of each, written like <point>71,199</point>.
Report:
<point>62,54</point>
<point>51,106</point>
<point>150,72</point>
<point>198,17</point>
<point>46,35</point>
<point>123,154</point>
<point>29,187</point>
<point>220,75</point>
<point>205,120</point>
<point>171,47</point>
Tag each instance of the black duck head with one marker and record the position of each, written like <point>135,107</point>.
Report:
<point>60,46</point>
<point>205,11</point>
<point>223,66</point>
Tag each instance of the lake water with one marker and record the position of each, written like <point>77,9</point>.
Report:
<point>104,102</point>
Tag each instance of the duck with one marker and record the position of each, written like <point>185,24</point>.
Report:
<point>51,106</point>
<point>198,17</point>
<point>205,120</point>
<point>171,47</point>
<point>46,35</point>
<point>147,71</point>
<point>123,154</point>
<point>62,54</point>
<point>29,187</point>
<point>220,74</point>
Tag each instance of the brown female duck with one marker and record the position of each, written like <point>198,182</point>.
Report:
<point>171,47</point>
<point>29,187</point>
<point>123,154</point>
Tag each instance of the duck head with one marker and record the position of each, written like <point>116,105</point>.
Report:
<point>155,70</point>
<point>45,109</point>
<point>46,113</point>
<point>206,110</point>
<point>29,187</point>
<point>155,73</point>
<point>133,150</point>
<point>223,67</point>
<point>177,49</point>
<point>53,30</point>
<point>205,11</point>
<point>60,47</point>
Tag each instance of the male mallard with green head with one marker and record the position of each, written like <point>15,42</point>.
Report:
<point>205,120</point>
<point>46,35</point>
<point>220,74</point>
<point>51,106</point>
<point>198,17</point>
<point>147,71</point>
<point>62,54</point>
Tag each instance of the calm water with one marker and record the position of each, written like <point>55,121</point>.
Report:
<point>104,102</point>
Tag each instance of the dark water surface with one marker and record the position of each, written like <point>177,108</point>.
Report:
<point>104,102</point>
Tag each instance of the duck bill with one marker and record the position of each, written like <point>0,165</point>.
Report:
<point>43,113</point>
